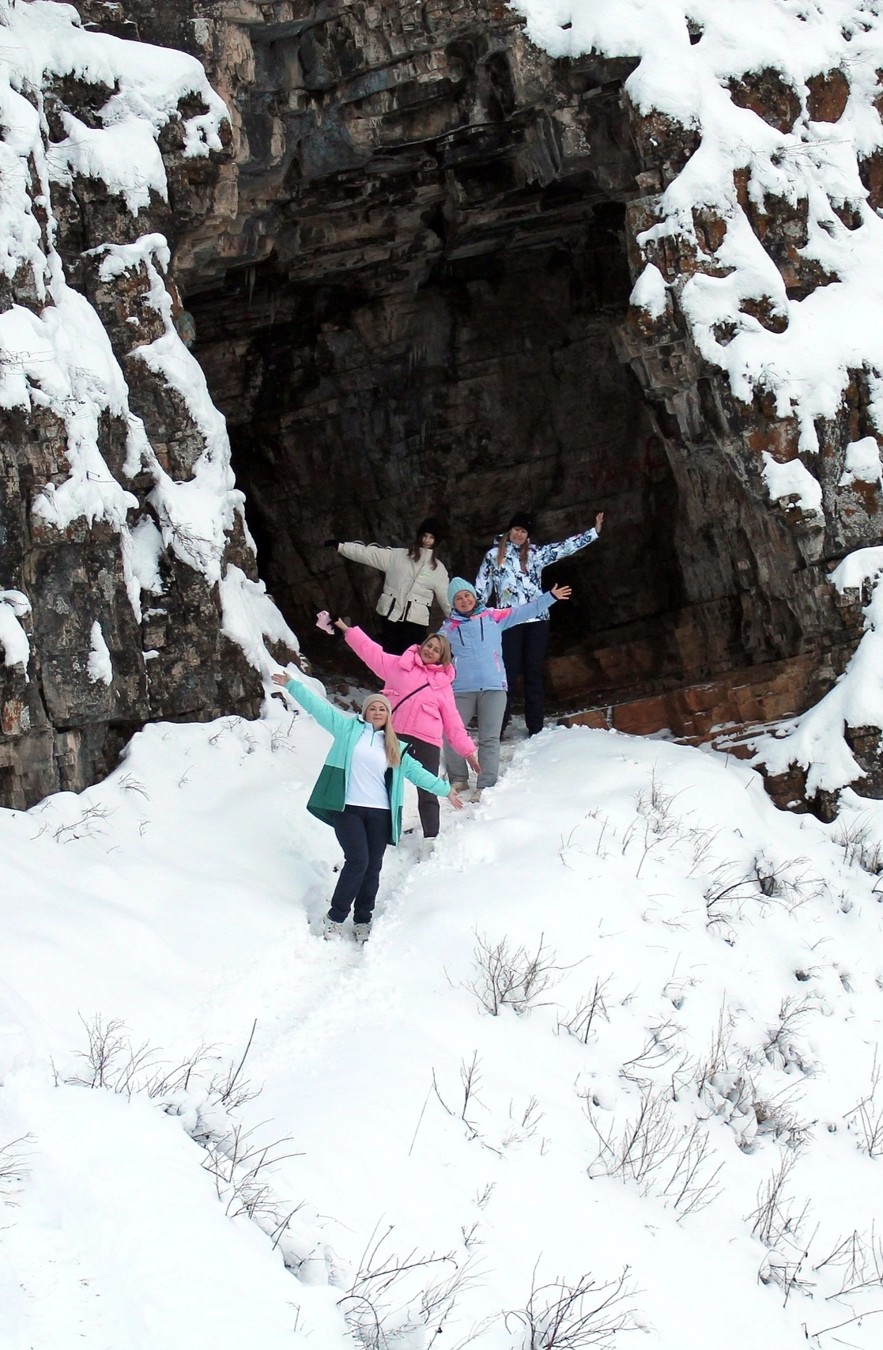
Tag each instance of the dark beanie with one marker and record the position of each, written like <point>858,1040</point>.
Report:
<point>431,525</point>
<point>521,520</point>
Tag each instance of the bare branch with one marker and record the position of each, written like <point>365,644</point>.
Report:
<point>562,1315</point>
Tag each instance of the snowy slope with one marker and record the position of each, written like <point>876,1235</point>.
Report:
<point>710,962</point>
<point>217,1131</point>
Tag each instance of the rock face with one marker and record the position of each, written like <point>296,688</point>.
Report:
<point>422,303</point>
<point>411,282</point>
<point>110,606</point>
<point>416,308</point>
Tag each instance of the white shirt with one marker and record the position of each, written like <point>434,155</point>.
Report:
<point>367,783</point>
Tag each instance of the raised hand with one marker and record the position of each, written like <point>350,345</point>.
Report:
<point>599,521</point>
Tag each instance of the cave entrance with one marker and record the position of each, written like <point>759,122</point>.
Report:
<point>357,406</point>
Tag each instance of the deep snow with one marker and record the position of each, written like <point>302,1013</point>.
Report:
<point>733,955</point>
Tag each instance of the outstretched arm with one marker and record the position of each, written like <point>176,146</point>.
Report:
<point>548,553</point>
<point>422,778</point>
<point>372,555</point>
<point>329,717</point>
<point>534,609</point>
<point>382,663</point>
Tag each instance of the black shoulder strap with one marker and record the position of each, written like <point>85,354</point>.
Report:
<point>407,696</point>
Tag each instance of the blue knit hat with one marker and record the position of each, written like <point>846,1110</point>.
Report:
<point>460,584</point>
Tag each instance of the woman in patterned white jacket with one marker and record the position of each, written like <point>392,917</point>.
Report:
<point>511,574</point>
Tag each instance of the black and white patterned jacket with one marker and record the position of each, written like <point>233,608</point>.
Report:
<point>507,584</point>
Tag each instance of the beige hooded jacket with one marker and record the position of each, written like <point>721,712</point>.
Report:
<point>409,587</point>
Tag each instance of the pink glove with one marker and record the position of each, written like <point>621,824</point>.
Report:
<point>323,621</point>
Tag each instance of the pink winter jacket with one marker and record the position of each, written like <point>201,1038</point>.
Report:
<point>429,714</point>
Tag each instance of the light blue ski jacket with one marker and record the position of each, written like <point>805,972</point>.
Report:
<point>477,642</point>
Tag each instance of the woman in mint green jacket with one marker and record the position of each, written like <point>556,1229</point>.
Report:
<point>360,793</point>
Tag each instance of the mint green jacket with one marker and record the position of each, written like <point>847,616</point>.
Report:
<point>329,794</point>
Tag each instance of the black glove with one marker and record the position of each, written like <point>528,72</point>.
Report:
<point>331,543</point>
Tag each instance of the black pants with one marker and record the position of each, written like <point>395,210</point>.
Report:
<point>398,637</point>
<point>363,834</point>
<point>427,802</point>
<point>524,651</point>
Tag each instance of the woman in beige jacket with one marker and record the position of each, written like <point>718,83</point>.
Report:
<point>412,578</point>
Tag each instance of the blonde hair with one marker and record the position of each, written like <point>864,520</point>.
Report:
<point>393,745</point>
<point>522,552</point>
<point>447,656</point>
<point>391,742</point>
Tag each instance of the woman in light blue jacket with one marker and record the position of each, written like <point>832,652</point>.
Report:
<point>476,637</point>
<point>512,572</point>
<point>359,793</point>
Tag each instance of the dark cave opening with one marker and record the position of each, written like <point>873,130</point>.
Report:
<point>357,407</point>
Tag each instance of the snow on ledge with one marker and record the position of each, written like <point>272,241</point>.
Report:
<point>816,740</point>
<point>650,292</point>
<point>250,619</point>
<point>792,485</point>
<point>861,462</point>
<point>99,667</point>
<point>13,638</point>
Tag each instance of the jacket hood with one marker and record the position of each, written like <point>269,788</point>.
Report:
<point>438,676</point>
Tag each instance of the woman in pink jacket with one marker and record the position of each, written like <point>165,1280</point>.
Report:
<point>418,685</point>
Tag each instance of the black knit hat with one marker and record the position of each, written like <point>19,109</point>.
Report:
<point>431,525</point>
<point>521,521</point>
